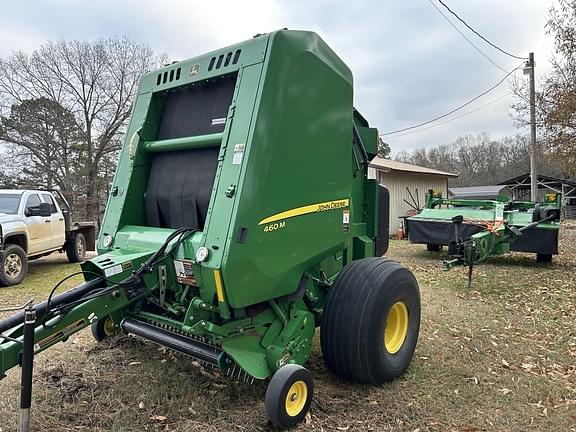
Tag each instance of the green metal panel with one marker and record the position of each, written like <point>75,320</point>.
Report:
<point>297,154</point>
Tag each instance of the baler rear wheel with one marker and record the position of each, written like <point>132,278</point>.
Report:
<point>371,321</point>
<point>432,247</point>
<point>289,395</point>
<point>103,328</point>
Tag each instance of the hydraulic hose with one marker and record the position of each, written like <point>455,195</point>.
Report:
<point>66,297</point>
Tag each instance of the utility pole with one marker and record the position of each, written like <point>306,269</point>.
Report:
<point>529,69</point>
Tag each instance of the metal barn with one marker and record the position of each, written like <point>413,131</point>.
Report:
<point>407,183</point>
<point>520,186</point>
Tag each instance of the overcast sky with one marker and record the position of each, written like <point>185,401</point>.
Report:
<point>409,64</point>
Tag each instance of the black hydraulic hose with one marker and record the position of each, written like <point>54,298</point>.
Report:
<point>76,294</point>
<point>65,297</point>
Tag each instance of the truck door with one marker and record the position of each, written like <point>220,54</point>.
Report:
<point>38,227</point>
<point>57,228</point>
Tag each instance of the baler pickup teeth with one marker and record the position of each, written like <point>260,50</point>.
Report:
<point>192,347</point>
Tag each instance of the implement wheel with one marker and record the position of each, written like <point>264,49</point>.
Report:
<point>104,328</point>
<point>289,395</point>
<point>431,247</point>
<point>371,321</point>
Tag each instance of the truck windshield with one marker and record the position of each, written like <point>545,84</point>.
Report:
<point>9,203</point>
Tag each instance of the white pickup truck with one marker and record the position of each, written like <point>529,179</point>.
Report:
<point>35,223</point>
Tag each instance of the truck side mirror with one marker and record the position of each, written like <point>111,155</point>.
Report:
<point>43,209</point>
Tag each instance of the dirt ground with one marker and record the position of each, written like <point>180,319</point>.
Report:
<point>498,357</point>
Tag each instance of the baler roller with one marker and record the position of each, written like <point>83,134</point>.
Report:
<point>192,347</point>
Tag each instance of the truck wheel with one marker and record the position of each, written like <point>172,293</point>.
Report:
<point>430,247</point>
<point>103,328</point>
<point>289,395</point>
<point>13,265</point>
<point>371,321</point>
<point>76,248</point>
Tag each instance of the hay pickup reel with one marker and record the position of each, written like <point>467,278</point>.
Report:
<point>475,229</point>
<point>240,219</point>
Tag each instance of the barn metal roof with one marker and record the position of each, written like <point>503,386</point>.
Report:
<point>388,165</point>
<point>480,192</point>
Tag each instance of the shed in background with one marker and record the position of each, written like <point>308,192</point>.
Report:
<point>520,187</point>
<point>404,180</point>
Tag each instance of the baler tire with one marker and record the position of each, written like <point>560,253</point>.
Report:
<point>371,321</point>
<point>289,395</point>
<point>544,258</point>
<point>103,328</point>
<point>76,248</point>
<point>13,265</point>
<point>431,247</point>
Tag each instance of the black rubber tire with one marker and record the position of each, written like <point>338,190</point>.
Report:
<point>277,393</point>
<point>5,278</point>
<point>430,247</point>
<point>355,318</point>
<point>74,251</point>
<point>101,329</point>
<point>543,258</point>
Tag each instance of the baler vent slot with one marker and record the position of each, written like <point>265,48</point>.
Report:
<point>226,60</point>
<point>219,62</point>
<point>173,75</point>
<point>236,56</point>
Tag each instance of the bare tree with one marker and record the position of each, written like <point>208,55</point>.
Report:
<point>556,100</point>
<point>96,82</point>
<point>479,159</point>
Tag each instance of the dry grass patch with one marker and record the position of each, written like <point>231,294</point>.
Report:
<point>499,357</point>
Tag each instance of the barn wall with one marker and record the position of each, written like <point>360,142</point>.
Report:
<point>397,182</point>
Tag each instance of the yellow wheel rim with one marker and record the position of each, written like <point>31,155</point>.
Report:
<point>109,327</point>
<point>296,398</point>
<point>396,327</point>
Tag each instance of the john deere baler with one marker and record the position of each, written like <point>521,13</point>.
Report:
<point>240,219</point>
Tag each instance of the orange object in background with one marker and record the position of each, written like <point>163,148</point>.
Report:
<point>400,234</point>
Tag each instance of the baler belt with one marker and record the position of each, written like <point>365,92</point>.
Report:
<point>179,188</point>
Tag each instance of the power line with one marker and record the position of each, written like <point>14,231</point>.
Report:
<point>479,35</point>
<point>455,109</point>
<point>455,118</point>
<point>482,53</point>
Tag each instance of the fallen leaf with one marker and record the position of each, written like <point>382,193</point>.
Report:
<point>141,405</point>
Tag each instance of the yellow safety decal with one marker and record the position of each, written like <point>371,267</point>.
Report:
<point>312,208</point>
<point>219,287</point>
